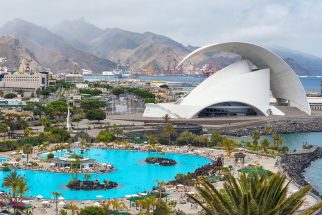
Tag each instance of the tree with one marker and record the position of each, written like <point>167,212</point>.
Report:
<point>56,195</point>
<point>92,104</point>
<point>58,108</point>
<point>185,138</point>
<point>265,144</point>
<point>96,114</point>
<point>153,140</point>
<point>22,187</point>
<point>169,130</point>
<point>267,130</point>
<point>216,138</point>
<point>3,128</point>
<point>92,210</point>
<point>12,181</point>
<point>63,212</point>
<point>87,177</point>
<point>278,141</point>
<point>118,91</point>
<point>228,145</point>
<point>105,136</point>
<point>38,92</point>
<point>116,204</point>
<point>117,131</point>
<point>73,208</point>
<point>161,208</point>
<point>10,96</point>
<point>27,149</point>
<point>255,136</point>
<point>50,156</point>
<point>252,194</point>
<point>27,132</point>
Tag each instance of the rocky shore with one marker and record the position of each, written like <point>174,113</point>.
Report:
<point>161,161</point>
<point>286,126</point>
<point>91,185</point>
<point>296,163</point>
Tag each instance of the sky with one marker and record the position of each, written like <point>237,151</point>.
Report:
<point>294,24</point>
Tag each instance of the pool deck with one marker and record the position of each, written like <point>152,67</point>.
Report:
<point>266,162</point>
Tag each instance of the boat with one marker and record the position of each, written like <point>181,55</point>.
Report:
<point>108,73</point>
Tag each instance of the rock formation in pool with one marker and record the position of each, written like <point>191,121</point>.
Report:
<point>161,161</point>
<point>91,185</point>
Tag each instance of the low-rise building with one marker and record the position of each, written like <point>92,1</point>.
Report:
<point>12,102</point>
<point>81,85</point>
<point>24,81</point>
<point>74,78</point>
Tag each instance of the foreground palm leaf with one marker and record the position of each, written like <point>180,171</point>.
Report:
<point>252,195</point>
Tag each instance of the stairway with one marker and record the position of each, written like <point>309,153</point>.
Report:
<point>291,111</point>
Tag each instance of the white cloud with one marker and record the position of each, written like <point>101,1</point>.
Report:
<point>294,24</point>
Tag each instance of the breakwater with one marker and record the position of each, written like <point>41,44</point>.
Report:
<point>283,126</point>
<point>294,164</point>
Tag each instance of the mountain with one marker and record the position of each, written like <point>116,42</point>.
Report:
<point>141,50</point>
<point>77,32</point>
<point>90,47</point>
<point>51,50</point>
<point>11,50</point>
<point>302,63</point>
<point>157,52</point>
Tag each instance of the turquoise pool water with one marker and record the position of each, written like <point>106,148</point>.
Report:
<point>132,173</point>
<point>4,159</point>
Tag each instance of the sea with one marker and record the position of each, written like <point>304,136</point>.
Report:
<point>313,174</point>
<point>311,84</point>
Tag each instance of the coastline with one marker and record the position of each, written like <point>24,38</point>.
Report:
<point>294,164</point>
<point>285,126</point>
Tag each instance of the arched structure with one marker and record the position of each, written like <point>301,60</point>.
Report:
<point>238,83</point>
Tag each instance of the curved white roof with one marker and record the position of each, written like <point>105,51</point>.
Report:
<point>234,83</point>
<point>238,83</point>
<point>284,83</point>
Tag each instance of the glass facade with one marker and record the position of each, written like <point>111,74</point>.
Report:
<point>229,109</point>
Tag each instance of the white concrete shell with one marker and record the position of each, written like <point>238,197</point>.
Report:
<point>284,83</point>
<point>238,83</point>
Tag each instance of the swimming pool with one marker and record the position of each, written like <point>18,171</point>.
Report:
<point>3,159</point>
<point>132,174</point>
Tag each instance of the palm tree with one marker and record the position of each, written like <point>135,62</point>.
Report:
<point>27,132</point>
<point>277,139</point>
<point>255,136</point>
<point>228,145</point>
<point>117,131</point>
<point>3,129</point>
<point>160,185</point>
<point>73,208</point>
<point>116,204</point>
<point>87,177</point>
<point>12,181</point>
<point>252,194</point>
<point>22,187</point>
<point>169,130</point>
<point>56,196</point>
<point>153,140</point>
<point>27,149</point>
<point>265,144</point>
<point>267,130</point>
<point>74,167</point>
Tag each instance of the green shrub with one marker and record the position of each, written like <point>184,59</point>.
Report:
<point>50,156</point>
